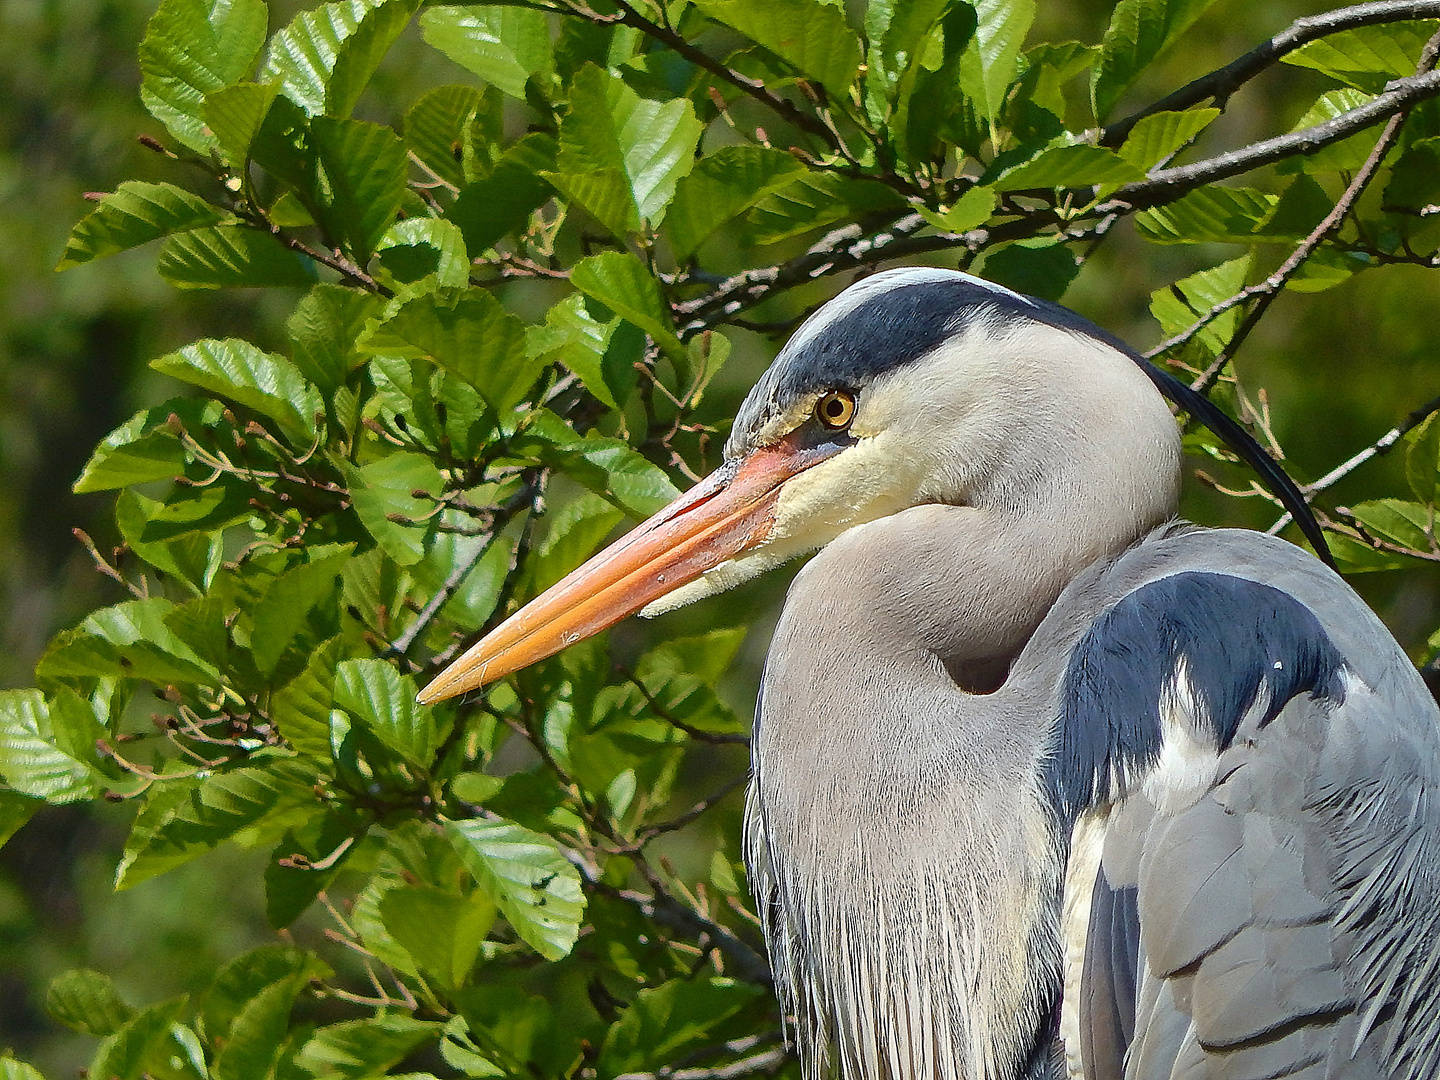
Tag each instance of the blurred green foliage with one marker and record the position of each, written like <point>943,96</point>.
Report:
<point>442,290</point>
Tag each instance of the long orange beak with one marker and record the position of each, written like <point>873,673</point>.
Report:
<point>728,512</point>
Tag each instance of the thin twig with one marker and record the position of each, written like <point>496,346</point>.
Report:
<point>1220,84</point>
<point>1379,447</point>
<point>764,1062</point>
<point>1264,294</point>
<point>1165,185</point>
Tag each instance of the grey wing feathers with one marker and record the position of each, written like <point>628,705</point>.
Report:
<point>1289,905</point>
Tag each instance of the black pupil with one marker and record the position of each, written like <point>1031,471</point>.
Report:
<point>834,407</point>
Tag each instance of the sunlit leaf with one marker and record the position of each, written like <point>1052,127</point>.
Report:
<point>324,58</point>
<point>1139,31</point>
<point>382,493</point>
<point>991,59</point>
<point>231,256</point>
<point>621,155</point>
<point>504,45</point>
<point>262,381</point>
<point>136,213</point>
<point>467,332</point>
<point>1155,137</point>
<point>193,48</point>
<point>212,809</point>
<point>721,187</point>
<point>810,35</point>
<point>620,282</point>
<point>32,761</point>
<point>533,885</point>
<point>88,1002</point>
<point>385,701</point>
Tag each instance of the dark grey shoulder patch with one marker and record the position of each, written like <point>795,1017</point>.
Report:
<point>1235,638</point>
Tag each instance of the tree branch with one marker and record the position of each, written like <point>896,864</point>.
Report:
<point>1380,446</point>
<point>1220,84</point>
<point>1165,185</point>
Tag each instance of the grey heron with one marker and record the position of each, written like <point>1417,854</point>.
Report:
<point>1044,782</point>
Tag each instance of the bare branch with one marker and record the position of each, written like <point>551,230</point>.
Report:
<point>1163,185</point>
<point>1220,84</point>
<point>1380,446</point>
<point>764,1062</point>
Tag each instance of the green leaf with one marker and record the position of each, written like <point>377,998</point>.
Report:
<point>608,467</point>
<point>324,329</point>
<point>1346,155</point>
<point>301,710</point>
<point>10,1069</point>
<point>502,201</point>
<point>503,45</point>
<point>1367,57</point>
<point>1422,461</point>
<point>722,187</point>
<point>813,201</point>
<point>621,155</point>
<point>971,210</point>
<point>262,381</point>
<point>231,256</point>
<point>1405,523</point>
<point>305,861</point>
<point>440,930</point>
<point>451,130</point>
<point>134,214</point>
<point>324,58</point>
<point>1074,166</point>
<point>244,976</point>
<point>32,759</point>
<point>581,342</point>
<point>1040,268</point>
<point>363,1048</point>
<point>381,495</point>
<point>468,333</point>
<point>211,810</point>
<point>533,885</point>
<point>130,639</point>
<point>88,1002</point>
<point>147,446</point>
<point>363,172</point>
<point>281,611</point>
<point>621,282</point>
<point>898,35</point>
<point>253,1042</point>
<point>1139,31</point>
<point>234,116</point>
<point>1209,215</point>
<point>376,693</point>
<point>416,247</point>
<point>193,48</point>
<point>573,532</point>
<point>666,1021</point>
<point>679,676</point>
<point>15,811</point>
<point>1155,137</point>
<point>143,1047</point>
<point>811,36</point>
<point>1415,180</point>
<point>991,59</point>
<point>1178,306</point>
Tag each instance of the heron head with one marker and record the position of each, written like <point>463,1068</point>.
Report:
<point>909,387</point>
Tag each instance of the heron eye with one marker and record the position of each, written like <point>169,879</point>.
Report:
<point>836,409</point>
